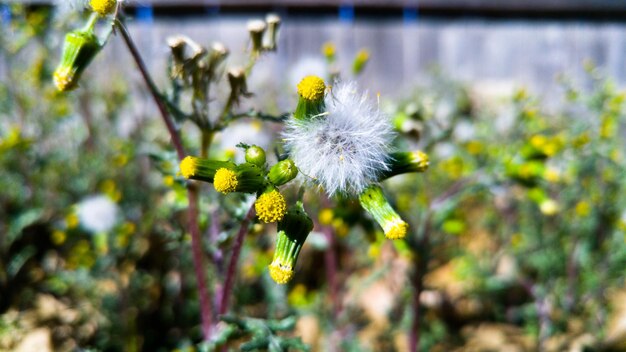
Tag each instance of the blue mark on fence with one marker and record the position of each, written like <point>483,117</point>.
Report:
<point>5,15</point>
<point>409,15</point>
<point>145,13</point>
<point>346,13</point>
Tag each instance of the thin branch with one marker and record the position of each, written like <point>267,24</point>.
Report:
<point>330,262</point>
<point>176,140</point>
<point>232,265</point>
<point>192,193</point>
<point>420,268</point>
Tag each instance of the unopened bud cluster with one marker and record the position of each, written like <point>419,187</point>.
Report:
<point>264,34</point>
<point>254,176</point>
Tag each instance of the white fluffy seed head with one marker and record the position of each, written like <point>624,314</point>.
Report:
<point>344,149</point>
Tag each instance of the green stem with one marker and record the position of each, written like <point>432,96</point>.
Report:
<point>91,22</point>
<point>205,143</point>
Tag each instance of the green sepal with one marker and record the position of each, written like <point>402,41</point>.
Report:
<point>293,231</point>
<point>203,169</point>
<point>79,49</point>
<point>405,162</point>
<point>374,202</point>
<point>250,178</point>
<point>307,109</point>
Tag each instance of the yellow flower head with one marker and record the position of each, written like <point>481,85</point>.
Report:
<point>311,88</point>
<point>63,79</point>
<point>363,55</point>
<point>280,273</point>
<point>103,7</point>
<point>420,159</point>
<point>396,230</point>
<point>225,180</point>
<point>189,166</point>
<point>326,216</point>
<point>329,49</point>
<point>270,206</point>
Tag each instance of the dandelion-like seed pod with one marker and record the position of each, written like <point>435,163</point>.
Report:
<point>345,148</point>
<point>80,47</point>
<point>292,233</point>
<point>374,202</point>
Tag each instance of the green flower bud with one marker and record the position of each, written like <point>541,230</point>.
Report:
<point>202,169</point>
<point>311,97</point>
<point>374,202</point>
<point>246,178</point>
<point>405,162</point>
<point>283,172</point>
<point>362,57</point>
<point>292,232</point>
<point>80,47</point>
<point>255,155</point>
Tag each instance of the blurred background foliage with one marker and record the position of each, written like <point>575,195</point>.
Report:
<point>519,239</point>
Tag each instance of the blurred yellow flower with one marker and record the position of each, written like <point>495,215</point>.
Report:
<point>329,50</point>
<point>58,237</point>
<point>582,208</point>
<point>474,147</point>
<point>325,216</point>
<point>517,239</point>
<point>549,207</point>
<point>552,175</point>
<point>71,220</point>
<point>168,180</point>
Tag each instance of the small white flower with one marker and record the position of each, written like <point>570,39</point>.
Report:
<point>346,148</point>
<point>97,214</point>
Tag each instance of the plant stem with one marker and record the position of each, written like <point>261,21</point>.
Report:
<point>234,258</point>
<point>176,140</point>
<point>330,262</point>
<point>421,266</point>
<point>206,139</point>
<point>192,193</point>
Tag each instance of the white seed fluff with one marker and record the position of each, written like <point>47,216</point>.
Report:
<point>98,214</point>
<point>346,148</point>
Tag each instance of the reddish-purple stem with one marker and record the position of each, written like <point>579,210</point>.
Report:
<point>196,243</point>
<point>330,261</point>
<point>234,258</point>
